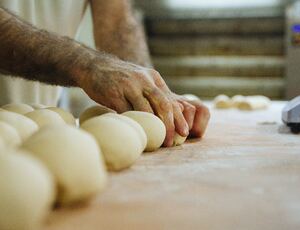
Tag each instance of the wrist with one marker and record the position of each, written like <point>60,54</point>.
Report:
<point>77,63</point>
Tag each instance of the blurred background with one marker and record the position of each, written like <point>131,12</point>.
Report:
<point>217,47</point>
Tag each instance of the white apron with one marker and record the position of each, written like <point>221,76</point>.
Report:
<point>59,16</point>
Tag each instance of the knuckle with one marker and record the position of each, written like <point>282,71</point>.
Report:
<point>165,105</point>
<point>190,108</point>
<point>154,73</point>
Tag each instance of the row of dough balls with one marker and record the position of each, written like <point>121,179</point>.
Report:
<point>242,102</point>
<point>44,161</point>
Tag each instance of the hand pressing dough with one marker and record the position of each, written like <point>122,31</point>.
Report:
<point>24,125</point>
<point>9,134</point>
<point>178,140</point>
<point>254,103</point>
<point>138,128</point>
<point>94,111</point>
<point>222,102</point>
<point>73,157</point>
<point>45,117</point>
<point>66,116</point>
<point>18,108</point>
<point>119,141</point>
<point>27,191</point>
<point>153,127</point>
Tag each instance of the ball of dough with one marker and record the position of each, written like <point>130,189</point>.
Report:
<point>9,134</point>
<point>25,126</point>
<point>94,111</point>
<point>153,127</point>
<point>178,140</point>
<point>18,108</point>
<point>27,191</point>
<point>73,157</point>
<point>66,116</point>
<point>222,102</point>
<point>45,117</point>
<point>37,106</point>
<point>119,141</point>
<point>138,128</point>
<point>236,100</point>
<point>254,103</point>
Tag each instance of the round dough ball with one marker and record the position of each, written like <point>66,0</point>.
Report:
<point>25,126</point>
<point>153,127</point>
<point>94,111</point>
<point>37,106</point>
<point>254,103</point>
<point>66,116</point>
<point>138,128</point>
<point>222,102</point>
<point>73,157</point>
<point>18,108</point>
<point>236,100</point>
<point>27,191</point>
<point>45,117</point>
<point>178,140</point>
<point>9,134</point>
<point>119,141</point>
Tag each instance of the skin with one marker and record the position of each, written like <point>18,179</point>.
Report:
<point>119,75</point>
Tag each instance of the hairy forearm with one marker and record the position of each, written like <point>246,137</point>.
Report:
<point>39,55</point>
<point>117,31</point>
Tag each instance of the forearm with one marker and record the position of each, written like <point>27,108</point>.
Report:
<point>117,31</point>
<point>38,55</point>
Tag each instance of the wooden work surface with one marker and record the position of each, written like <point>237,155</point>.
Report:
<point>245,174</point>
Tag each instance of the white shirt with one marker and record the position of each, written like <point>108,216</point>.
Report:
<point>59,16</point>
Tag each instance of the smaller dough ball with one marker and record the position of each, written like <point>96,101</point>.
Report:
<point>66,116</point>
<point>9,134</point>
<point>222,102</point>
<point>94,111</point>
<point>153,127</point>
<point>191,97</point>
<point>18,108</point>
<point>45,117</point>
<point>236,100</point>
<point>178,140</point>
<point>25,126</point>
<point>37,106</point>
<point>27,191</point>
<point>73,157</point>
<point>135,125</point>
<point>254,103</point>
<point>119,141</point>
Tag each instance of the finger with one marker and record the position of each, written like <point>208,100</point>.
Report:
<point>189,112</point>
<point>181,125</point>
<point>120,105</point>
<point>162,108</point>
<point>201,119</point>
<point>139,102</point>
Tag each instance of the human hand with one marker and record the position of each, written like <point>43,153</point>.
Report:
<point>123,86</point>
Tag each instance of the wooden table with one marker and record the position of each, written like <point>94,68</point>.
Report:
<point>245,174</point>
